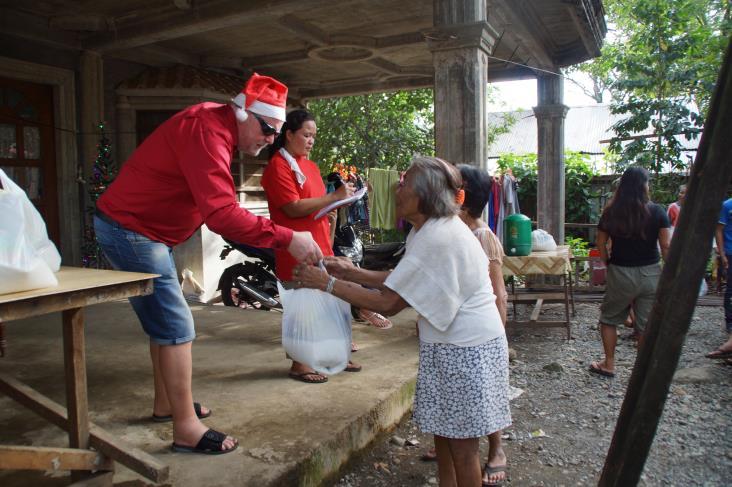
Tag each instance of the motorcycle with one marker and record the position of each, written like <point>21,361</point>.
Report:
<point>253,284</point>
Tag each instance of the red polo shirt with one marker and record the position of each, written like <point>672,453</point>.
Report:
<point>180,177</point>
<point>281,187</point>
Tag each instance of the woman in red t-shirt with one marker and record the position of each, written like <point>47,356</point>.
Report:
<point>295,192</point>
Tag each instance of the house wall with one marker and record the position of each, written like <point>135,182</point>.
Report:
<point>59,67</point>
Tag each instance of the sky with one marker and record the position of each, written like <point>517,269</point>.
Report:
<point>514,95</point>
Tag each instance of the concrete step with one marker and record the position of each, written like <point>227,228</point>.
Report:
<point>290,433</point>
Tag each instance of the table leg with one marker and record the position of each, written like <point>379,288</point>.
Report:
<point>75,371</point>
<point>567,294</point>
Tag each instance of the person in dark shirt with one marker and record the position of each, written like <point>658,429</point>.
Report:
<point>636,228</point>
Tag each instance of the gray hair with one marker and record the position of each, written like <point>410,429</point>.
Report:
<point>435,182</point>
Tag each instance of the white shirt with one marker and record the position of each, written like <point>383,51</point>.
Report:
<point>444,277</point>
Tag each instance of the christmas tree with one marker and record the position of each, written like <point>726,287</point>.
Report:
<point>103,173</point>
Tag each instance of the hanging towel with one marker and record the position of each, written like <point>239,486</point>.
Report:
<point>382,199</point>
<point>299,175</point>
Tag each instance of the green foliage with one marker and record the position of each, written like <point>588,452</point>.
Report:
<point>578,175</point>
<point>380,130</point>
<point>579,246</point>
<point>661,64</point>
<point>376,130</point>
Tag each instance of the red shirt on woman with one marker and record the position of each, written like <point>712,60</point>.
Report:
<point>281,187</point>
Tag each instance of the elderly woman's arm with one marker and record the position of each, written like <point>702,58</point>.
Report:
<point>384,300</point>
<point>343,268</point>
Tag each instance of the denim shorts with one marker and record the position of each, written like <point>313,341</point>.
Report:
<point>164,314</point>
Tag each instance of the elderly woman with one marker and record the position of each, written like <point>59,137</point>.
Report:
<point>462,382</point>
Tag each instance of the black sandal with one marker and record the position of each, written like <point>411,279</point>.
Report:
<point>209,444</point>
<point>169,417</point>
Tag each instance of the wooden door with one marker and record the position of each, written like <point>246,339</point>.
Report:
<point>27,149</point>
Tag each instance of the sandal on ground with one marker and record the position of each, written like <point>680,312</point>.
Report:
<point>488,470</point>
<point>354,347</point>
<point>375,319</point>
<point>303,377</point>
<point>719,354</point>
<point>429,456</point>
<point>209,444</point>
<point>169,417</point>
<point>596,369</point>
<point>351,367</point>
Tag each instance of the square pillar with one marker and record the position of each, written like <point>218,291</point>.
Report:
<point>460,44</point>
<point>550,114</point>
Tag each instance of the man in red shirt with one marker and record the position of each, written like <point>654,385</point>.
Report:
<point>176,180</point>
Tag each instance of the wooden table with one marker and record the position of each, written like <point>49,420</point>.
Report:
<point>550,263</point>
<point>77,288</point>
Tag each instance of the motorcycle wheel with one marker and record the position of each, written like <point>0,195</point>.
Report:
<point>227,282</point>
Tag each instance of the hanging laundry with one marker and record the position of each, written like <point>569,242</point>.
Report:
<point>382,198</point>
<point>509,200</point>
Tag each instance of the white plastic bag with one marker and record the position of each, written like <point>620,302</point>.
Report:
<point>28,258</point>
<point>542,241</point>
<point>316,329</point>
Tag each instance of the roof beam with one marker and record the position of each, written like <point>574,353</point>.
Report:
<point>27,26</point>
<point>157,56</point>
<point>520,26</point>
<point>363,87</point>
<point>181,23</point>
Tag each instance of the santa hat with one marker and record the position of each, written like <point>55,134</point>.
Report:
<point>261,95</point>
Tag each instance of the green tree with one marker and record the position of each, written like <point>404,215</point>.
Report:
<point>380,130</point>
<point>375,130</point>
<point>660,64</point>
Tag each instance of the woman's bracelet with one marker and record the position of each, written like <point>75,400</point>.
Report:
<point>331,283</point>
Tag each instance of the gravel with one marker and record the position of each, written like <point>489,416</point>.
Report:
<point>565,417</point>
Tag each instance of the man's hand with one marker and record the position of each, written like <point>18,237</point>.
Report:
<point>303,248</point>
<point>724,259</point>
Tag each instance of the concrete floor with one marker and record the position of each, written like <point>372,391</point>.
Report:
<point>290,433</point>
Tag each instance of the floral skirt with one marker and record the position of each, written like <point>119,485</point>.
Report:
<point>462,392</point>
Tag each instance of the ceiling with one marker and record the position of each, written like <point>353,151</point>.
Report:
<point>318,47</point>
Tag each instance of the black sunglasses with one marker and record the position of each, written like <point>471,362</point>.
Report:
<point>267,129</point>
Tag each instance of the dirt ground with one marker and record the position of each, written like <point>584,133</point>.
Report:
<point>565,416</point>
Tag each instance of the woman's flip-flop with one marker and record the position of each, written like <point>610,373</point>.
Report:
<point>169,417</point>
<point>491,470</point>
<point>719,354</point>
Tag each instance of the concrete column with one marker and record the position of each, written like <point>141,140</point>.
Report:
<point>550,115</point>
<point>126,130</point>
<point>92,106</point>
<point>460,43</point>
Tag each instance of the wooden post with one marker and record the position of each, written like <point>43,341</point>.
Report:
<point>676,295</point>
<point>77,404</point>
<point>92,106</point>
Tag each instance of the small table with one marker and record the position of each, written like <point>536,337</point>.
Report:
<point>77,288</point>
<point>547,263</point>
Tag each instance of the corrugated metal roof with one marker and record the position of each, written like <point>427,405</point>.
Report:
<point>584,128</point>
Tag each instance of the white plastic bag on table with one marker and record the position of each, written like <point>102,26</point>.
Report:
<point>28,258</point>
<point>316,329</point>
<point>542,241</point>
